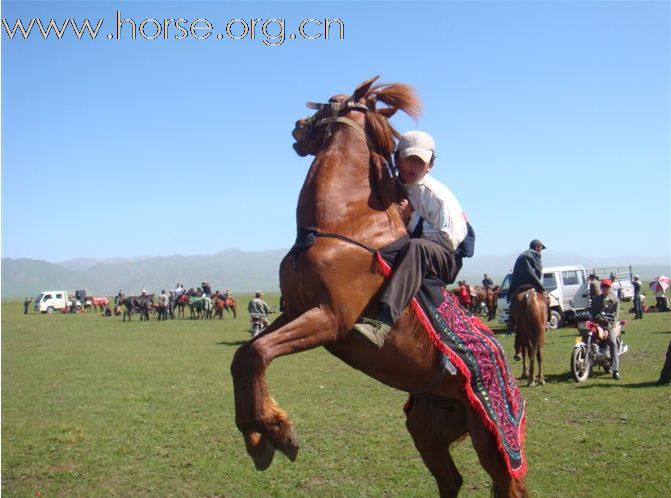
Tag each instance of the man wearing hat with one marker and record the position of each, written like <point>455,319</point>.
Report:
<point>528,269</point>
<point>608,303</point>
<point>638,301</point>
<point>259,307</point>
<point>440,233</point>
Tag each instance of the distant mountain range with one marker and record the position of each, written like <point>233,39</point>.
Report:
<point>241,271</point>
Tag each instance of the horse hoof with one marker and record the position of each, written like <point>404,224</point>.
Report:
<point>261,450</point>
<point>289,446</point>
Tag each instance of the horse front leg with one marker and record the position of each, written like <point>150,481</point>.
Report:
<point>264,425</point>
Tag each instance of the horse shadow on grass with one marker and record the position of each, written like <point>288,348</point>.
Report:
<point>615,383</point>
<point>557,378</point>
<point>231,343</point>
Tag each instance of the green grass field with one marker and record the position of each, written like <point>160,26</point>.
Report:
<point>92,406</point>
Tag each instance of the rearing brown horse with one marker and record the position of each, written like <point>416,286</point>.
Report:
<point>347,204</point>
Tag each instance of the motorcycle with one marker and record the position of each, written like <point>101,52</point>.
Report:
<point>591,349</point>
<point>258,323</point>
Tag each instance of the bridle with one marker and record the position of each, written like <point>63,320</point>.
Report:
<point>335,109</point>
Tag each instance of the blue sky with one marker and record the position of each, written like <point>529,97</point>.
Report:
<point>551,121</point>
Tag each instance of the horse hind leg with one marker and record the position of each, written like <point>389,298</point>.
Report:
<point>434,425</point>
<point>492,461</point>
<point>539,359</point>
<point>532,365</point>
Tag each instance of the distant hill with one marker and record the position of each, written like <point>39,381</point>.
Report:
<point>241,271</point>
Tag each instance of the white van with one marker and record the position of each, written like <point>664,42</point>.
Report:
<point>50,301</point>
<point>568,290</point>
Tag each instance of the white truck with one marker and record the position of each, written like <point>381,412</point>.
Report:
<point>568,290</point>
<point>55,300</point>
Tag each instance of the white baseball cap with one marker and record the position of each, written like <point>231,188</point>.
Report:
<point>416,143</point>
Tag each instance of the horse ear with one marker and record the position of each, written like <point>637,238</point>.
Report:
<point>363,88</point>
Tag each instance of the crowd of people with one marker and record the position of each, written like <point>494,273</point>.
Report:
<point>165,302</point>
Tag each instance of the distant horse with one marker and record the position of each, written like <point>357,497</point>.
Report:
<point>179,303</point>
<point>529,314</point>
<point>346,206</point>
<point>200,307</point>
<point>136,304</point>
<point>99,303</point>
<point>491,301</point>
<point>128,304</point>
<point>221,305</point>
<point>143,305</point>
<point>479,297</point>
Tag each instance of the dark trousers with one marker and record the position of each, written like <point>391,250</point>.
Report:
<point>418,259</point>
<point>638,306</point>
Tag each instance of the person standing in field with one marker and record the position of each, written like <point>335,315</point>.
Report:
<point>163,301</point>
<point>638,301</point>
<point>26,305</point>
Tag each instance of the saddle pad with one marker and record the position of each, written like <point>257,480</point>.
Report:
<point>471,346</point>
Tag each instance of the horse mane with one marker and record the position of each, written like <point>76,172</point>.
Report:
<point>396,96</point>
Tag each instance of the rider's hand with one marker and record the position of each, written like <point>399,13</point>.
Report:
<point>405,210</point>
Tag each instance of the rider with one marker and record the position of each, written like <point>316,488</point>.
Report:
<point>528,271</point>
<point>608,303</point>
<point>435,216</point>
<point>259,307</point>
<point>487,282</point>
<point>464,295</point>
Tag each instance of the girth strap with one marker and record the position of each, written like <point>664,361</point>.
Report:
<point>307,235</point>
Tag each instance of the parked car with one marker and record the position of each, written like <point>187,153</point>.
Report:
<point>54,300</point>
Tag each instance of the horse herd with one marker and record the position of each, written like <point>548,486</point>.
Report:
<point>200,306</point>
<point>478,300</point>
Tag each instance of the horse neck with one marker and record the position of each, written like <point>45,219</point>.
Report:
<point>338,195</point>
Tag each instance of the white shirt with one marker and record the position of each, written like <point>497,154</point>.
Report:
<point>440,209</point>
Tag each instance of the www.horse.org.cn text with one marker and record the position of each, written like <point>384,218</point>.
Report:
<point>271,32</point>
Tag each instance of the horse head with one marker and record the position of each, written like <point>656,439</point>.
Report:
<point>311,133</point>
